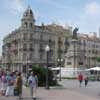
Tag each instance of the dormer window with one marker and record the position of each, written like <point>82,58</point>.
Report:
<point>25,24</point>
<point>31,12</point>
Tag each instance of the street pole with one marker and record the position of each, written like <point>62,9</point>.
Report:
<point>26,65</point>
<point>47,80</point>
<point>89,62</point>
<point>74,58</point>
<point>60,64</point>
<point>60,71</point>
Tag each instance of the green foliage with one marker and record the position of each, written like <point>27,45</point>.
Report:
<point>94,78</point>
<point>41,73</point>
<point>98,59</point>
<point>70,78</point>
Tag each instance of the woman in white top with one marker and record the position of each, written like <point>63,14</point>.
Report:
<point>32,85</point>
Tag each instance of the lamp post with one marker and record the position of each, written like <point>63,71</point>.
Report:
<point>26,68</point>
<point>74,57</point>
<point>47,49</point>
<point>60,63</point>
<point>8,57</point>
<point>28,65</point>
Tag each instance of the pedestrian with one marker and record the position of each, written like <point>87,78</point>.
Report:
<point>80,78</point>
<point>10,83</point>
<point>24,80</point>
<point>0,75</point>
<point>4,83</point>
<point>86,80</point>
<point>32,85</point>
<point>18,84</point>
<point>36,79</point>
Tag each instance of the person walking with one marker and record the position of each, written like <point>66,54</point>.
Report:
<point>32,85</point>
<point>86,80</point>
<point>36,79</point>
<point>4,83</point>
<point>80,78</point>
<point>10,88</point>
<point>18,84</point>
<point>10,83</point>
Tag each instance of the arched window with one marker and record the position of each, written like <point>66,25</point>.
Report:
<point>31,12</point>
<point>25,24</point>
<point>31,25</point>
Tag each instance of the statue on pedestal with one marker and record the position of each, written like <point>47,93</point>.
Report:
<point>75,33</point>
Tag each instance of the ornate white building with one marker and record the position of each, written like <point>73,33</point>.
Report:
<point>26,45</point>
<point>83,52</point>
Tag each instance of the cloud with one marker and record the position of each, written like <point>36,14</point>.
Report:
<point>15,6</point>
<point>92,8</point>
<point>89,17</point>
<point>55,4</point>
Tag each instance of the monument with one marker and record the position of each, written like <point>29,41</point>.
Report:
<point>71,56</point>
<point>75,33</point>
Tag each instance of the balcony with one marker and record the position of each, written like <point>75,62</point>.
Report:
<point>41,50</point>
<point>31,49</point>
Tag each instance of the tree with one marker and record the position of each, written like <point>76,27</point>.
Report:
<point>98,59</point>
<point>40,71</point>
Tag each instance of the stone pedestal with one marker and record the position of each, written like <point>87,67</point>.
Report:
<point>71,59</point>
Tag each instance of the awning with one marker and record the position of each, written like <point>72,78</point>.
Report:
<point>94,68</point>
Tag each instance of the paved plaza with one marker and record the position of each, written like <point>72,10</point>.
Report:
<point>69,91</point>
<point>92,90</point>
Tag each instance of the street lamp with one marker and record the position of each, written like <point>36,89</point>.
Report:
<point>60,61</point>
<point>47,49</point>
<point>27,64</point>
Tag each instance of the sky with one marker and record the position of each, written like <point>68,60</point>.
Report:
<point>84,14</point>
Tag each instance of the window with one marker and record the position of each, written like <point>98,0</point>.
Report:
<point>84,42</point>
<point>31,36</point>
<point>69,63</point>
<point>31,25</point>
<point>41,56</point>
<point>80,63</point>
<point>31,47</point>
<point>31,12</point>
<point>30,56</point>
<point>25,36</point>
<point>25,24</point>
<point>51,52</point>
<point>24,46</point>
<point>80,42</point>
<point>24,56</point>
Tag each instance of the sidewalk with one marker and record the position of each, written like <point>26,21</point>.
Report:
<point>52,94</point>
<point>62,94</point>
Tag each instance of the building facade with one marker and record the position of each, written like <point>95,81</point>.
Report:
<point>25,46</point>
<point>83,52</point>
